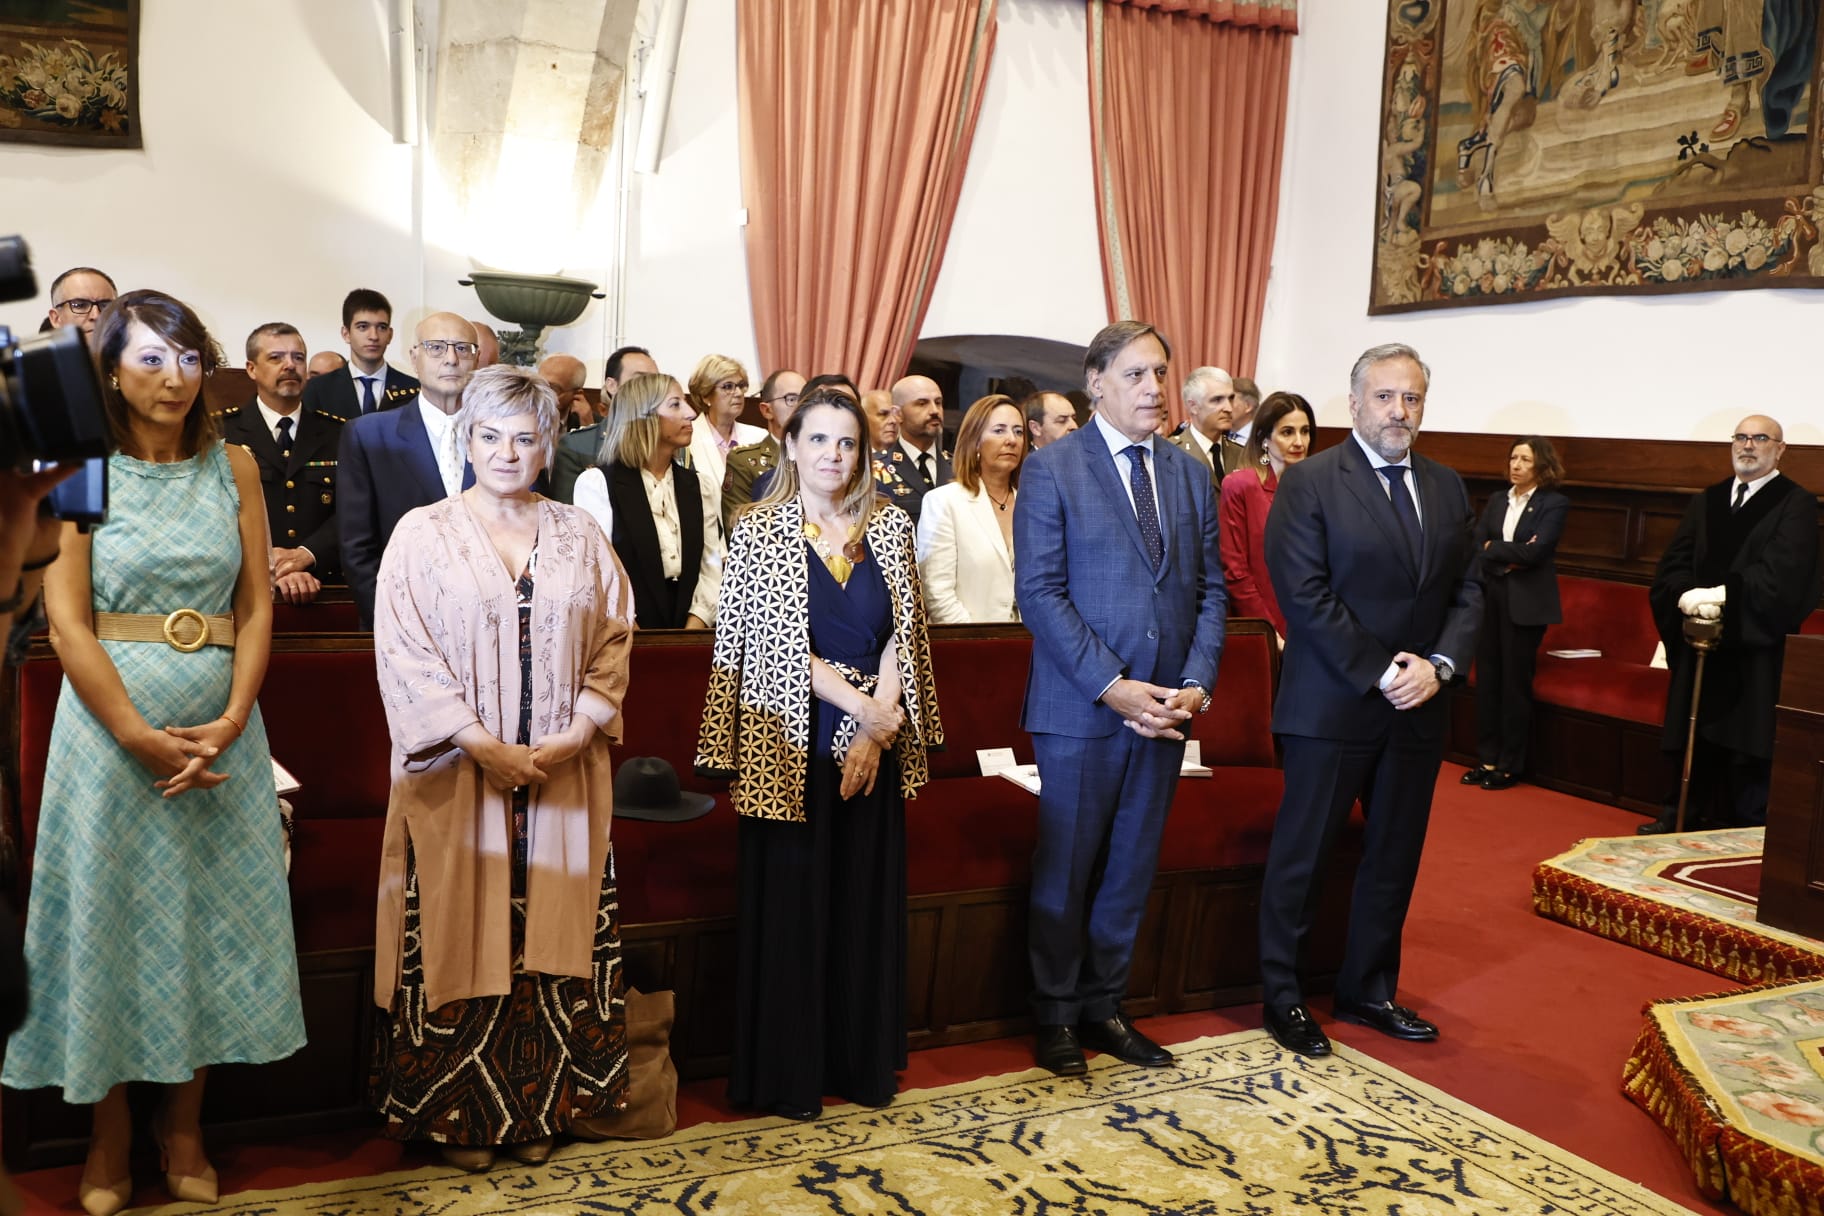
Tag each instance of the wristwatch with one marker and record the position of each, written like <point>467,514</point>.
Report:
<point>1205,707</point>
<point>1444,669</point>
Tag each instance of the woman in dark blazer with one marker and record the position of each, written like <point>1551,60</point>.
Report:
<point>1516,541</point>
<point>654,509</point>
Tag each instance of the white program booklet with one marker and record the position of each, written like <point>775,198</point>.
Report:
<point>283,780</point>
<point>1575,654</point>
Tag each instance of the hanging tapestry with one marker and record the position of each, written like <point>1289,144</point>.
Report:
<point>69,72</point>
<point>1540,148</point>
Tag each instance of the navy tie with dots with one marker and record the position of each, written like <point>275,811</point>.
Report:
<point>1145,508</point>
<point>1404,508</point>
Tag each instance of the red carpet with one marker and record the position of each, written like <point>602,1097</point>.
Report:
<point>1537,1018</point>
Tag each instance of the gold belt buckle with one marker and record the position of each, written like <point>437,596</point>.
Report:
<point>196,618</point>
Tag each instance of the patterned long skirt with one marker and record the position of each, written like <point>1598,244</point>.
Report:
<point>505,1069</point>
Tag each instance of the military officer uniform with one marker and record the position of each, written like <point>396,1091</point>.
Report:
<point>900,481</point>
<point>299,482</point>
<point>747,464</point>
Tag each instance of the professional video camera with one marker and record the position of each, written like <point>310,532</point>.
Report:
<point>50,400</point>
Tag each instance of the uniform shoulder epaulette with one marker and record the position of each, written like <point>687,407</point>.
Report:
<point>230,412</point>
<point>326,414</point>
<point>395,394</point>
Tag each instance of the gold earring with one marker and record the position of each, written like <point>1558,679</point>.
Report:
<point>114,383</point>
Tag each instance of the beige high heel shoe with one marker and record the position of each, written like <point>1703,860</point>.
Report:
<point>185,1188</point>
<point>104,1200</point>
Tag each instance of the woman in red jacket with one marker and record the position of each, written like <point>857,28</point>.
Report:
<point>1281,436</point>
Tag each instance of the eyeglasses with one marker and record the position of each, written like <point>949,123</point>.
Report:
<point>435,348</point>
<point>79,307</point>
<point>1757,440</point>
<point>788,398</point>
<point>732,386</point>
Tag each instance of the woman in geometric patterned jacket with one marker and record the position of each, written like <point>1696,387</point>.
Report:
<point>820,707</point>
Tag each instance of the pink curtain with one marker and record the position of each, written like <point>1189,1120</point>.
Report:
<point>856,125</point>
<point>1187,123</point>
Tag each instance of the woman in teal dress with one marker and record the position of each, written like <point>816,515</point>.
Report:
<point>158,925</point>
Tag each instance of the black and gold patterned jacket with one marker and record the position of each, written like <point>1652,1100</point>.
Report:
<point>757,716</point>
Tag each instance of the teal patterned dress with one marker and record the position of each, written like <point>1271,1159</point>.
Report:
<point>158,931</point>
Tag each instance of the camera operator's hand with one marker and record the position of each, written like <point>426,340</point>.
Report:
<point>298,587</point>
<point>28,535</point>
<point>290,561</point>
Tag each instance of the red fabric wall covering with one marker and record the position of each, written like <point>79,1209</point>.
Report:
<point>1187,126</point>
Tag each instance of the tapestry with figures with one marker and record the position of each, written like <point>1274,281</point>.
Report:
<point>1540,148</point>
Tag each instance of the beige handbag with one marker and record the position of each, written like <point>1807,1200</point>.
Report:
<point>652,1079</point>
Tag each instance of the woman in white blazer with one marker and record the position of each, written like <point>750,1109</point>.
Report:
<point>718,392</point>
<point>965,528</point>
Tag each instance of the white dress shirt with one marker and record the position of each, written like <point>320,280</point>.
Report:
<point>1516,506</point>
<point>591,495</point>
<point>1412,492</point>
<point>379,379</point>
<point>273,418</point>
<point>1754,487</point>
<point>1117,447</point>
<point>965,564</point>
<point>441,428</point>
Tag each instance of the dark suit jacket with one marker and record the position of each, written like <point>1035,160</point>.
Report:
<point>300,492</point>
<point>1345,579</point>
<point>902,483</point>
<point>388,468</point>
<point>335,392</point>
<point>1088,593</point>
<point>657,604</point>
<point>575,452</point>
<point>1766,558</point>
<point>1527,563</point>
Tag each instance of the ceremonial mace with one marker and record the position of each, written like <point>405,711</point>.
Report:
<point>1703,636</point>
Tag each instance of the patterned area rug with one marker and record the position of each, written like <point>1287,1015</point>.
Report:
<point>1690,897</point>
<point>1737,1081</point>
<point>1240,1127</point>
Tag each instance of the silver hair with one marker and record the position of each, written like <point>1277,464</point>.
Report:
<point>1385,353</point>
<point>503,390</point>
<point>1201,376</point>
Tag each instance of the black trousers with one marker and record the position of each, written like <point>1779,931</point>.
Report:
<point>1394,777</point>
<point>1507,655</point>
<point>1728,788</point>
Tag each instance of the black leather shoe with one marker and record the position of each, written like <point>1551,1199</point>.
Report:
<point>1395,1021</point>
<point>1117,1037</point>
<point>1058,1050</point>
<point>803,1114</point>
<point>1657,827</point>
<point>1500,779</point>
<point>1294,1029</point>
<point>1474,776</point>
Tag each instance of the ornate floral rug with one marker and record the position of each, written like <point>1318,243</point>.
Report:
<point>1737,1081</point>
<point>1239,1127</point>
<point>1689,897</point>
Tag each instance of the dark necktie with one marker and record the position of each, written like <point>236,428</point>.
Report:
<point>924,470</point>
<point>1145,508</point>
<point>1404,508</point>
<point>1741,496</point>
<point>285,436</point>
<point>367,394</point>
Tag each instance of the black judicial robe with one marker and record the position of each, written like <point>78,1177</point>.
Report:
<point>1767,557</point>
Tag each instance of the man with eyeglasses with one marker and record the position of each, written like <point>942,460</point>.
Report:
<point>1746,553</point>
<point>749,462</point>
<point>400,459</point>
<point>370,384</point>
<point>77,298</point>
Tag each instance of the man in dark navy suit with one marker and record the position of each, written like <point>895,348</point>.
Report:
<point>1120,582</point>
<point>399,459</point>
<point>1369,550</point>
<point>368,384</point>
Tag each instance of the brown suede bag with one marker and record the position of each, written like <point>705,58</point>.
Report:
<point>652,1079</point>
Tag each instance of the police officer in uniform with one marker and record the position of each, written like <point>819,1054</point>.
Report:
<point>296,451</point>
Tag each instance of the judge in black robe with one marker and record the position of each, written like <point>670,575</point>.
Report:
<point>1765,555</point>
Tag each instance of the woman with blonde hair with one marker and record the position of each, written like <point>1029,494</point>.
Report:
<point>965,527</point>
<point>501,636</point>
<point>718,394</point>
<point>820,706</point>
<point>653,508</point>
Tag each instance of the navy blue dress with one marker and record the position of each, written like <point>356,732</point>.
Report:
<point>821,914</point>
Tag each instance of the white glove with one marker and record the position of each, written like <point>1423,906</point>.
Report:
<point>1689,602</point>
<point>1707,612</point>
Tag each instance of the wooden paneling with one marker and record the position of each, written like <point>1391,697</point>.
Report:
<point>1602,759</point>
<point>1792,883</point>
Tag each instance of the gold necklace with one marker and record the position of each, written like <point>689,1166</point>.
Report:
<point>840,565</point>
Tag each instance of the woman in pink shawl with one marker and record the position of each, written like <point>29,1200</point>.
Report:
<point>501,632</point>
